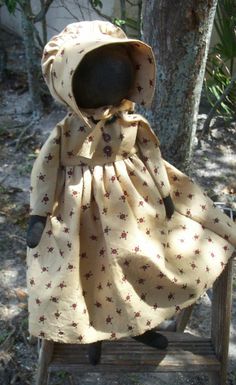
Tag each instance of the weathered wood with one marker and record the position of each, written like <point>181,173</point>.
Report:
<point>185,352</point>
<point>214,378</point>
<point>221,315</point>
<point>45,357</point>
<point>183,318</point>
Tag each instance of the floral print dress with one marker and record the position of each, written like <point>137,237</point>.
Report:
<point>110,263</point>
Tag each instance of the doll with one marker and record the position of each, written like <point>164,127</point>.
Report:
<point>119,240</point>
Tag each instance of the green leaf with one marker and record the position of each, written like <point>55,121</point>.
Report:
<point>119,22</point>
<point>97,3</point>
<point>222,58</point>
<point>11,5</point>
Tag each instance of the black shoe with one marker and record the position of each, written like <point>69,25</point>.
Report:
<point>94,352</point>
<point>153,339</point>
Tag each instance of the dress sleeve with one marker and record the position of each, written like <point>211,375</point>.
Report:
<point>149,148</point>
<point>44,176</point>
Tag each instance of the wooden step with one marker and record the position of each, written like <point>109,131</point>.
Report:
<point>185,353</point>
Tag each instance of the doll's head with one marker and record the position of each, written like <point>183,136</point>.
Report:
<point>105,76</point>
<point>93,64</point>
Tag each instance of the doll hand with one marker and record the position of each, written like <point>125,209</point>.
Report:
<point>169,206</point>
<point>35,230</point>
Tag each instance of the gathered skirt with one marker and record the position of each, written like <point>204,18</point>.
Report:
<point>111,264</point>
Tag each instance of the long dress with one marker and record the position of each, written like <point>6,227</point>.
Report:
<point>110,263</point>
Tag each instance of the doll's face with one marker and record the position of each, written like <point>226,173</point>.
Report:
<point>104,77</point>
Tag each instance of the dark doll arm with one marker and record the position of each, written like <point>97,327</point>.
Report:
<point>149,149</point>
<point>35,230</point>
<point>43,187</point>
<point>169,206</point>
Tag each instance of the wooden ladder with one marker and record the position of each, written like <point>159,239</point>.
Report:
<point>185,353</point>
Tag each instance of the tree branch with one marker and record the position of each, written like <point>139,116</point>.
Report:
<point>80,8</point>
<point>38,38</point>
<point>42,11</point>
<point>99,12</point>
<point>63,4</point>
<point>134,4</point>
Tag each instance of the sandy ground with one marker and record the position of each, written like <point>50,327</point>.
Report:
<point>214,164</point>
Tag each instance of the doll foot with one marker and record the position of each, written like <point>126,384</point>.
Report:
<point>153,339</point>
<point>94,352</point>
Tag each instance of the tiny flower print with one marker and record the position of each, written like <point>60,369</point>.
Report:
<point>122,216</point>
<point>54,299</point>
<point>88,275</point>
<point>41,177</point>
<point>45,199</point>
<point>62,285</point>
<point>145,267</point>
<point>143,296</point>
<point>48,285</point>
<point>141,220</point>
<point>70,267</point>
<point>74,324</point>
<point>124,234</point>
<point>141,281</point>
<point>107,230</point>
<point>109,319</point>
<point>42,318</point>
<point>136,249</point>
<point>193,265</point>
<point>177,193</point>
<point>126,262</point>
<point>49,157</point>
<point>57,314</point>
<point>139,88</point>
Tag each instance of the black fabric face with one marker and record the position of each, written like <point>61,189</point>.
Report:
<point>104,77</point>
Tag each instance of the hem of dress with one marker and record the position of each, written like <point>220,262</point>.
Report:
<point>135,332</point>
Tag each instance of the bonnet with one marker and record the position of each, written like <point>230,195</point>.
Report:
<point>64,52</point>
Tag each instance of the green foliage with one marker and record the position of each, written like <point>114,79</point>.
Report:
<point>222,59</point>
<point>10,4</point>
<point>123,21</point>
<point>131,23</point>
<point>118,22</point>
<point>97,3</point>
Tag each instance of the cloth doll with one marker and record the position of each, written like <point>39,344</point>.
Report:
<point>119,240</point>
